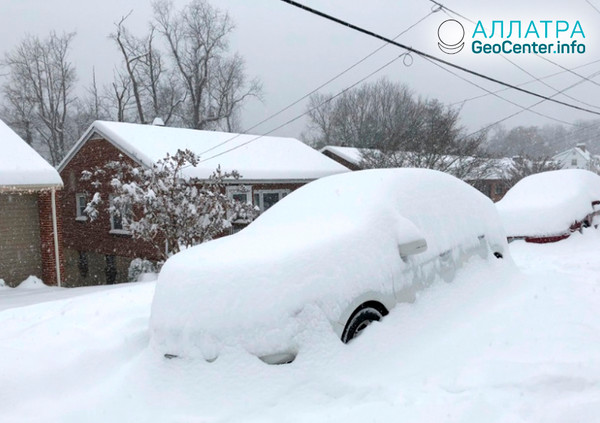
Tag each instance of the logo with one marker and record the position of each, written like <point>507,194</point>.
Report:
<point>451,35</point>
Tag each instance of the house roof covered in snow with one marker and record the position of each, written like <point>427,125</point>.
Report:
<point>254,157</point>
<point>21,167</point>
<point>578,150</point>
<point>352,155</point>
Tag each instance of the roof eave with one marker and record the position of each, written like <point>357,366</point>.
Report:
<point>29,187</point>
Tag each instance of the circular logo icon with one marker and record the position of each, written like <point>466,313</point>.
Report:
<point>451,35</point>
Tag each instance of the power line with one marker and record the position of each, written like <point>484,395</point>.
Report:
<point>431,57</point>
<point>444,8</point>
<point>525,83</point>
<point>407,54</point>
<point>590,3</point>
<point>329,81</point>
<point>500,97</point>
<point>529,110</point>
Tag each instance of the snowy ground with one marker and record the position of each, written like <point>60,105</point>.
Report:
<point>497,345</point>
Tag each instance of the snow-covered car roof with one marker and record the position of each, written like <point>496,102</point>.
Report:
<point>548,203</point>
<point>320,247</point>
<point>21,167</point>
<point>254,157</point>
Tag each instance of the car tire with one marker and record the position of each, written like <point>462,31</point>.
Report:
<point>359,320</point>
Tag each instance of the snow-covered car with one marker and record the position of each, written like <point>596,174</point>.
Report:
<point>343,249</point>
<point>549,206</point>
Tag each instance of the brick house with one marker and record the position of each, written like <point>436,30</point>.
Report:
<point>30,225</point>
<point>99,252</point>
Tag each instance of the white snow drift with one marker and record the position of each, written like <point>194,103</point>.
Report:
<point>316,256</point>
<point>548,203</point>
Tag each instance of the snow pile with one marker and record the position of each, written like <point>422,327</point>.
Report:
<point>252,156</point>
<point>3,284</point>
<point>496,345</point>
<point>21,165</point>
<point>312,255</point>
<point>549,203</point>
<point>32,282</point>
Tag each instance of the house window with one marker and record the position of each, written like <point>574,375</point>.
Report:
<point>265,199</point>
<point>81,202</point>
<point>111,270</point>
<point>82,264</point>
<point>241,193</point>
<point>117,220</point>
<point>574,162</point>
<point>498,189</point>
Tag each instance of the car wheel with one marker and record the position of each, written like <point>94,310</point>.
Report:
<point>359,320</point>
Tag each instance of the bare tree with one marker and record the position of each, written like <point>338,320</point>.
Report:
<point>397,130</point>
<point>39,91</point>
<point>132,50</point>
<point>372,116</point>
<point>214,82</point>
<point>525,165</point>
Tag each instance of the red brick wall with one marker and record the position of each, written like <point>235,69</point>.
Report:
<point>49,275</point>
<point>94,236</point>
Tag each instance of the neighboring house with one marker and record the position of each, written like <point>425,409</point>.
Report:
<point>30,226</point>
<point>347,156</point>
<point>491,182</point>
<point>99,252</point>
<point>578,157</point>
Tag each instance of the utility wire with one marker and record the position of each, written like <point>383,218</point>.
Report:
<point>529,109</point>
<point>498,96</point>
<point>444,8</point>
<point>431,57</point>
<point>590,3</point>
<point>407,54</point>
<point>526,83</point>
<point>329,81</point>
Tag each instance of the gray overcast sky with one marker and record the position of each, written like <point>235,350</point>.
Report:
<point>292,51</point>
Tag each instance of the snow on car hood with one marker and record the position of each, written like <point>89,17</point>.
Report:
<point>309,256</point>
<point>549,203</point>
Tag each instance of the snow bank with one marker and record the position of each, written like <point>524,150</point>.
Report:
<point>496,346</point>
<point>549,203</point>
<point>3,284</point>
<point>21,165</point>
<point>32,282</point>
<point>314,253</point>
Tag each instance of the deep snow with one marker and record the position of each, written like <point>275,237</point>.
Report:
<point>548,203</point>
<point>21,165</point>
<point>341,251</point>
<point>493,346</point>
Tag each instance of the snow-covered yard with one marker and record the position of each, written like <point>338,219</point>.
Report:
<point>496,345</point>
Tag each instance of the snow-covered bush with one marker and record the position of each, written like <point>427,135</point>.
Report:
<point>140,266</point>
<point>160,206</point>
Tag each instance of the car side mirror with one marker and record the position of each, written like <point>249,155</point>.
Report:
<point>412,247</point>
